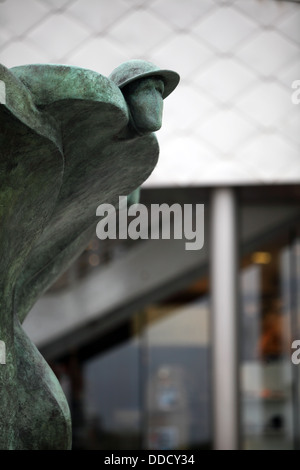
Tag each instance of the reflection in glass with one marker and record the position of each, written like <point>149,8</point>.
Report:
<point>266,372</point>
<point>153,391</point>
<point>178,381</point>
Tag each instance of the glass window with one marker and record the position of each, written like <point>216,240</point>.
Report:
<point>177,381</point>
<point>267,382</point>
<point>152,391</point>
<point>112,398</point>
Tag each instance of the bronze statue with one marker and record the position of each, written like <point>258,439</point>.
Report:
<point>71,139</point>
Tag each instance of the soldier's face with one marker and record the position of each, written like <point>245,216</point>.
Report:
<point>144,98</point>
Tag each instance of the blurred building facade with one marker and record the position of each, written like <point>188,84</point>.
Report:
<point>155,346</point>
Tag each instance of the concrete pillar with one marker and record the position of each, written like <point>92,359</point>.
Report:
<point>224,261</point>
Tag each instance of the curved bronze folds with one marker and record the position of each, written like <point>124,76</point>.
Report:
<point>71,139</point>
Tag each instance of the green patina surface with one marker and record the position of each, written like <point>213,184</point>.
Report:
<point>67,144</point>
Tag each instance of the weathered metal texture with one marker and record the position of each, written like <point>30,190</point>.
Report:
<point>136,69</point>
<point>67,144</point>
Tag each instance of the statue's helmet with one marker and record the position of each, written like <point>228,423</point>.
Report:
<point>136,69</point>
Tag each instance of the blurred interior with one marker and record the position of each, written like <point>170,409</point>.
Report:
<point>138,375</point>
<point>128,328</point>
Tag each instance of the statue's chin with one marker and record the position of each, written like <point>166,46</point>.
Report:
<point>148,128</point>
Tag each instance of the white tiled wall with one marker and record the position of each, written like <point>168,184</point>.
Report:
<point>231,120</point>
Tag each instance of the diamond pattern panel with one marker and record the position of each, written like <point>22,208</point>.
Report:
<point>136,3</point>
<point>265,155</point>
<point>91,53</point>
<point>183,54</point>
<point>225,79</point>
<point>289,74</point>
<point>292,127</point>
<point>4,36</point>
<point>231,120</point>
<point>55,4</point>
<point>189,116</point>
<point>21,53</point>
<point>98,15</point>
<point>291,27</point>
<point>267,104</point>
<point>233,131</point>
<point>268,52</point>
<point>140,31</point>
<point>51,33</point>
<point>194,154</point>
<point>225,28</point>
<point>179,14</point>
<point>18,16</point>
<point>265,13</point>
